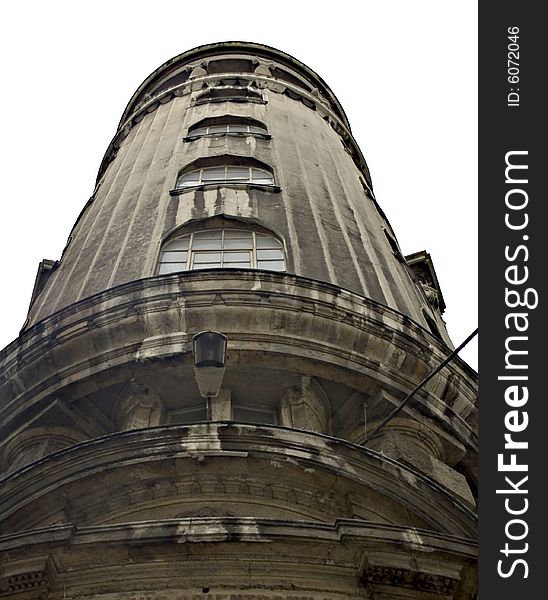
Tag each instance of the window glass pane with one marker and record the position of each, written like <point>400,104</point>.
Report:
<point>201,244</point>
<point>228,92</point>
<point>206,257</point>
<point>269,254</point>
<point>171,268</point>
<point>213,174</point>
<point>241,244</point>
<point>188,179</point>
<point>271,265</point>
<point>237,128</point>
<point>215,265</point>
<point>217,129</point>
<point>208,234</point>
<point>174,257</point>
<point>193,414</point>
<point>240,173</point>
<point>256,129</point>
<point>180,244</point>
<point>265,241</point>
<point>262,176</point>
<point>198,131</point>
<point>248,414</point>
<point>236,256</point>
<point>238,233</point>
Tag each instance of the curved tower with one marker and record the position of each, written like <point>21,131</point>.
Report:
<point>233,198</point>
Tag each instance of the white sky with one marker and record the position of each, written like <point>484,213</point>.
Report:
<point>404,71</point>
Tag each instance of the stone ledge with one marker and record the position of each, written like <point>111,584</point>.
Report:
<point>175,556</point>
<point>142,456</point>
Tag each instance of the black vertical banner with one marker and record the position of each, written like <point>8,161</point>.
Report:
<point>513,298</point>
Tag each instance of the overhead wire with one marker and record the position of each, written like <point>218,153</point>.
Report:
<point>369,436</point>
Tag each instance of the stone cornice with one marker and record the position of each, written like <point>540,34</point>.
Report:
<point>250,49</point>
<point>341,560</point>
<point>234,441</point>
<point>215,529</point>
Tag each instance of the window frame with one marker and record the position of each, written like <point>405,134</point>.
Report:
<point>204,131</point>
<point>256,262</point>
<point>248,95</point>
<point>250,180</point>
<point>272,412</point>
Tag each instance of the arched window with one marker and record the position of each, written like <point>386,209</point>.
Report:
<point>225,174</point>
<point>229,94</point>
<point>222,249</point>
<point>227,125</point>
<point>230,65</point>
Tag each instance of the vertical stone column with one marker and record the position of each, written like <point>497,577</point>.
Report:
<point>221,406</point>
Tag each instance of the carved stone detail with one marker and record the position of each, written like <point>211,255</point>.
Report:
<point>427,582</point>
<point>203,491</point>
<point>431,295</point>
<point>26,582</point>
<point>304,407</point>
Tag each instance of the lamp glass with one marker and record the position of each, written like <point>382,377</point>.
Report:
<point>209,349</point>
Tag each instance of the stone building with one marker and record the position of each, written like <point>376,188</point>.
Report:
<point>233,198</point>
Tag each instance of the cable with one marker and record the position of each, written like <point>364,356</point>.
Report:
<point>418,387</point>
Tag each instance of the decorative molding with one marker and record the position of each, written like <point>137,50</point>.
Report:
<point>28,583</point>
<point>137,449</point>
<point>406,578</point>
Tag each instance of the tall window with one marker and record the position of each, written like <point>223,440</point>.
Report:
<point>222,249</point>
<point>225,174</point>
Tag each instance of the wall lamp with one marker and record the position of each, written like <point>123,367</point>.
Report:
<point>209,353</point>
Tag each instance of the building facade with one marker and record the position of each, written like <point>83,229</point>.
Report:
<point>233,198</point>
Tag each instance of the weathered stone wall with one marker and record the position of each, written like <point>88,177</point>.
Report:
<point>328,221</point>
